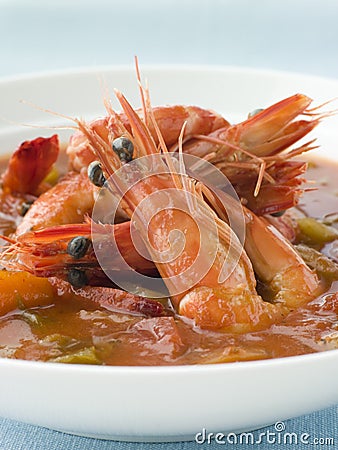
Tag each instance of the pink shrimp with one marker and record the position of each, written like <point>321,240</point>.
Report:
<point>249,153</point>
<point>46,252</point>
<point>67,202</point>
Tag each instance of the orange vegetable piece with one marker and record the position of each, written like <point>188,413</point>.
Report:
<point>23,290</point>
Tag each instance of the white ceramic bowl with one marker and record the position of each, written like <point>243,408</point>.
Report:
<point>162,403</point>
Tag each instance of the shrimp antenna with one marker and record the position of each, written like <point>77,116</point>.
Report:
<point>101,148</point>
<point>163,146</point>
<point>260,161</point>
<point>115,124</point>
<point>95,140</point>
<point>198,189</point>
<point>148,113</point>
<point>142,94</point>
<point>114,119</point>
<point>313,111</point>
<point>182,169</point>
<point>44,127</point>
<point>46,110</point>
<point>180,149</point>
<point>103,87</point>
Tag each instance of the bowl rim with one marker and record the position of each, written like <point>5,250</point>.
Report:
<point>207,68</point>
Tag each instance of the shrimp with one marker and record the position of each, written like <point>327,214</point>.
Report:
<point>267,132</point>
<point>249,153</point>
<point>231,304</point>
<point>67,202</point>
<point>66,251</point>
<point>228,303</point>
<point>277,264</point>
<point>169,119</point>
<point>289,281</point>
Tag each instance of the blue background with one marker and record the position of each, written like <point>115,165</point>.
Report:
<point>295,35</point>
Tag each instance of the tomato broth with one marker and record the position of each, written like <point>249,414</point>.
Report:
<point>72,329</point>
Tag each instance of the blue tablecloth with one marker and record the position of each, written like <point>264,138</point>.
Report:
<point>317,430</point>
<point>39,35</point>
